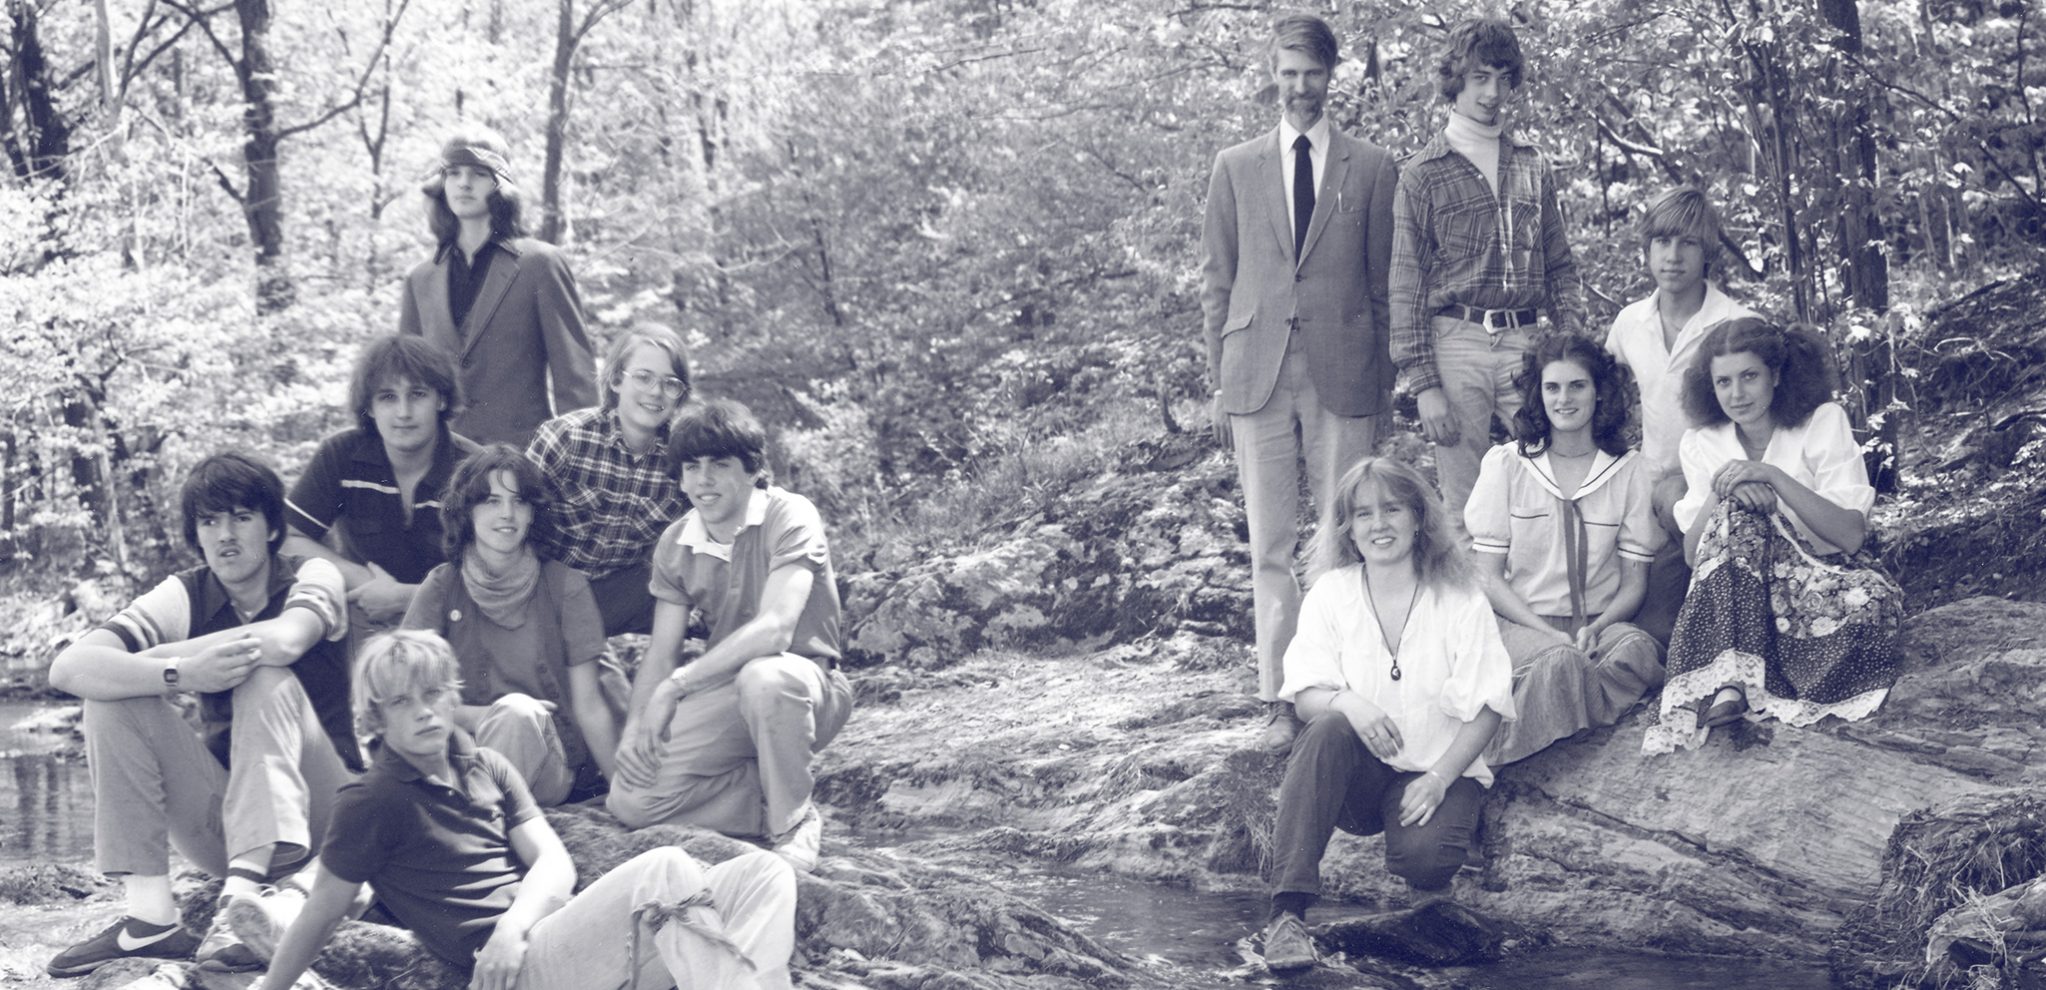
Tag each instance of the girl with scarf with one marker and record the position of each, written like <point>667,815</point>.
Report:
<point>1561,523</point>
<point>525,629</point>
<point>1790,614</point>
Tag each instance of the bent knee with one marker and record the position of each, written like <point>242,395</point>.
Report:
<point>629,807</point>
<point>524,707</point>
<point>1424,858</point>
<point>764,681</point>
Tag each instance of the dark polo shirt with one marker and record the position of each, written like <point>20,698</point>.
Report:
<point>439,857</point>
<point>350,479</point>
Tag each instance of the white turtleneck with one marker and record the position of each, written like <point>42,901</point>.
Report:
<point>1477,142</point>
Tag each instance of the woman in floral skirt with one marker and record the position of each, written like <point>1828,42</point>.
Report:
<point>1789,615</point>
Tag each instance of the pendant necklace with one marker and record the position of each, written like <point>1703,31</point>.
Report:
<point>1371,601</point>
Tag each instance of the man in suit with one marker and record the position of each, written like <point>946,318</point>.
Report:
<point>504,303</point>
<point>1298,244</point>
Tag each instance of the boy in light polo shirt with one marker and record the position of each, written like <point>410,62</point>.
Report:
<point>449,837</point>
<point>1657,338</point>
<point>724,741</point>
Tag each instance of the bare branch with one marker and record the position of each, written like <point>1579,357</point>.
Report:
<point>597,12</point>
<point>361,81</point>
<point>204,19</point>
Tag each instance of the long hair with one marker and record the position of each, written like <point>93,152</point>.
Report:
<point>1805,374</point>
<point>1609,380</point>
<point>398,357</point>
<point>469,487</point>
<point>1485,41</point>
<point>1439,559</point>
<point>507,204</point>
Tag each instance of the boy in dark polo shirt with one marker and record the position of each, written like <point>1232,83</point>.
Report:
<point>379,481</point>
<point>725,740</point>
<point>253,633</point>
<point>457,851</point>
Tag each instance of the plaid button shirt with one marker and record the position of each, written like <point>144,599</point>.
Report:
<point>610,504</point>
<point>1447,229</point>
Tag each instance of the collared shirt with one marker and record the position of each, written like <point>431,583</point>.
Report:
<point>438,853</point>
<point>1452,663</point>
<point>1636,341</point>
<point>350,480</point>
<point>466,277</point>
<point>610,504</point>
<point>1821,455</point>
<point>193,603</point>
<point>726,581</point>
<point>1317,155</point>
<point>1448,228</point>
<point>1516,510</point>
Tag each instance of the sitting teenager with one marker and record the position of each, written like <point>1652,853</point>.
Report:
<point>1398,669</point>
<point>253,633</point>
<point>724,741</point>
<point>377,484</point>
<point>608,468</point>
<point>1656,338</point>
<point>524,628</point>
<point>1561,524</point>
<point>458,852</point>
<point>1790,615</point>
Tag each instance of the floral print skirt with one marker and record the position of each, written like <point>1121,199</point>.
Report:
<point>1803,635</point>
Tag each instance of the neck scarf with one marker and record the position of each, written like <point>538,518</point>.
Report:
<point>502,597</point>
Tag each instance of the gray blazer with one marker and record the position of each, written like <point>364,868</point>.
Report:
<point>525,326</point>
<point>1255,293</point>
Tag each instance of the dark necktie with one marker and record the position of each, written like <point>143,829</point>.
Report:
<point>1303,193</point>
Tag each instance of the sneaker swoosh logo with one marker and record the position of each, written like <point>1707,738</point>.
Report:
<point>126,945</point>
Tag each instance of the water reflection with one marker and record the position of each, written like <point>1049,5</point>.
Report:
<point>45,795</point>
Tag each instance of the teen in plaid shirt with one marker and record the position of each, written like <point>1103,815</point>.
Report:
<point>1478,247</point>
<point>613,493</point>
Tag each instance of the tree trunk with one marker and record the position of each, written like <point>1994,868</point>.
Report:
<point>44,141</point>
<point>552,223</point>
<point>263,199</point>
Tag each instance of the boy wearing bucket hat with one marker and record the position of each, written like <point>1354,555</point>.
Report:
<point>504,303</point>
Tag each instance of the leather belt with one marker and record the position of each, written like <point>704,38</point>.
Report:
<point>1494,320</point>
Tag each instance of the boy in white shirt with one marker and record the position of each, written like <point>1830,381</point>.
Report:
<point>1657,338</point>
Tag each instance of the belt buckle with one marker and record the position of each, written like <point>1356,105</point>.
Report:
<point>1502,326</point>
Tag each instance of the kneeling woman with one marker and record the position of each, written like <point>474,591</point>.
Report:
<point>1789,616</point>
<point>1398,671</point>
<point>525,630</point>
<point>1564,532</point>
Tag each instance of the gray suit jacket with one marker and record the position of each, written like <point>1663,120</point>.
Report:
<point>1255,294</point>
<point>526,323</point>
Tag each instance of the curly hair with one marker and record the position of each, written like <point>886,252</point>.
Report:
<point>1438,558</point>
<point>1486,41</point>
<point>1609,379</point>
<point>469,487</point>
<point>1802,361</point>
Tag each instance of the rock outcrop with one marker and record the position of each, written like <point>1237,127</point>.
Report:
<point>1764,842</point>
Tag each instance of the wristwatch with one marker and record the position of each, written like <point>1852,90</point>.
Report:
<point>170,674</point>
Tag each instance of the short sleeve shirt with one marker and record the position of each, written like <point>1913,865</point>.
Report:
<point>350,481</point>
<point>1516,510</point>
<point>439,854</point>
<point>1452,663</point>
<point>725,583</point>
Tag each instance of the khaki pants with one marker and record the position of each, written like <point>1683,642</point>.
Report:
<point>736,757</point>
<point>520,729</point>
<point>662,920</point>
<point>154,782</point>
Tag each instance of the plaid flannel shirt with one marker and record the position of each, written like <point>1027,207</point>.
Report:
<point>1446,237</point>
<point>610,505</point>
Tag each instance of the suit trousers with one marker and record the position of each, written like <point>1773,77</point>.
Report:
<point>1271,444</point>
<point>1477,369</point>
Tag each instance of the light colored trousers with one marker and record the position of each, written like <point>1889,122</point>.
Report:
<point>662,920</point>
<point>155,783</point>
<point>1292,429</point>
<point>1477,369</point>
<point>1560,690</point>
<point>521,729</point>
<point>736,757</point>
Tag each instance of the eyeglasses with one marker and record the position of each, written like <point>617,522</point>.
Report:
<point>670,386</point>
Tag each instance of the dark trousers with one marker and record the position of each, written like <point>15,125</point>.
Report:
<point>624,601</point>
<point>1333,781</point>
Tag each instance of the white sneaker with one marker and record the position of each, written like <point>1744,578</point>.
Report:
<point>801,843</point>
<point>261,920</point>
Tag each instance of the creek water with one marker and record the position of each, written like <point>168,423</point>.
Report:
<point>1188,940</point>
